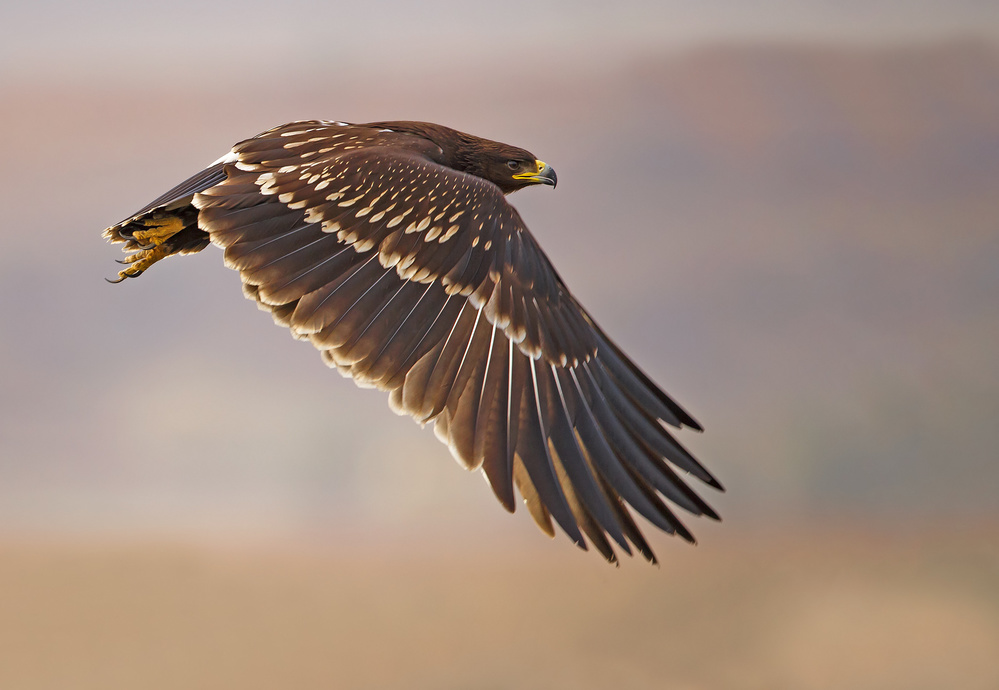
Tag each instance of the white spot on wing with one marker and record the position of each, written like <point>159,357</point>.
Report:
<point>398,219</point>
<point>350,202</point>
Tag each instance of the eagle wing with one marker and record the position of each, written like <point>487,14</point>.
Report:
<point>423,281</point>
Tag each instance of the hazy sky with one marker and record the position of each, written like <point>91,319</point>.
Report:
<point>113,37</point>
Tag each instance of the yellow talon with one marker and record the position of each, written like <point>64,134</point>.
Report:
<point>140,261</point>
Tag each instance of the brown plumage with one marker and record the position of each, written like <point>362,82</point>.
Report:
<point>392,248</point>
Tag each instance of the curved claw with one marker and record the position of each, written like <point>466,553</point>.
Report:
<point>121,277</point>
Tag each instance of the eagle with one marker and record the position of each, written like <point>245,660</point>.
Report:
<point>392,248</point>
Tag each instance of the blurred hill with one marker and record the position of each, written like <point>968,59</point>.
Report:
<point>800,243</point>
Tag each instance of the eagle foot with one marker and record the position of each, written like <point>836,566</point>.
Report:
<point>140,261</point>
<point>160,230</point>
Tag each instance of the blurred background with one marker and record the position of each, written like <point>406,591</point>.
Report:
<point>786,212</point>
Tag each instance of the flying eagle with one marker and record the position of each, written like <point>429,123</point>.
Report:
<point>392,248</point>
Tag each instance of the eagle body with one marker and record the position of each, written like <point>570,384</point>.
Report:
<point>392,248</point>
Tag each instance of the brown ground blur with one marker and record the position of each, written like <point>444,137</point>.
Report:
<point>831,610</point>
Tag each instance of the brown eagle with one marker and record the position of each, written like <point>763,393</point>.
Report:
<point>392,248</point>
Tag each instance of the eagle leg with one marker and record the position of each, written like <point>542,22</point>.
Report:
<point>155,236</point>
<point>153,244</point>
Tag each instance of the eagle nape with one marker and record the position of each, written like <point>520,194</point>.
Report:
<point>392,248</point>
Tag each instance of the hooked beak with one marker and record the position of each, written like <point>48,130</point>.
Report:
<point>543,175</point>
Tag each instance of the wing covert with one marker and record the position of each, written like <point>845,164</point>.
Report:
<point>382,189</point>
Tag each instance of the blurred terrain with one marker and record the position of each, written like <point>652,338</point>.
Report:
<point>799,241</point>
<point>834,610</point>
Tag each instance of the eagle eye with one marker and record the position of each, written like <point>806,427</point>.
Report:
<point>513,165</point>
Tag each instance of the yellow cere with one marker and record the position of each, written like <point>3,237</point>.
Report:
<point>531,175</point>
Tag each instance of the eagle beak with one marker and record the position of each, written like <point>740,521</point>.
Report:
<point>543,175</point>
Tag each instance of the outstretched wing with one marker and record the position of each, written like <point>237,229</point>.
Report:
<point>423,281</point>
